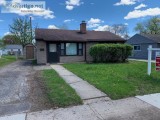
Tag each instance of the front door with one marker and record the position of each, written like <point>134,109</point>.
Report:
<point>53,55</point>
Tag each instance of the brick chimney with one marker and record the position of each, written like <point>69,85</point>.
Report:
<point>83,29</point>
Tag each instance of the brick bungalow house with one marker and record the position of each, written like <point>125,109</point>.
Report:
<point>55,45</point>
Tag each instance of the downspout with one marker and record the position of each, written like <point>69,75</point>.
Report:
<point>47,49</point>
<point>85,53</point>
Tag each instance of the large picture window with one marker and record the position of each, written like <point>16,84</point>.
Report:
<point>71,49</point>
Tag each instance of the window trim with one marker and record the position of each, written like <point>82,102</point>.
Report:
<point>139,47</point>
<point>64,50</point>
<point>77,44</point>
<point>79,49</point>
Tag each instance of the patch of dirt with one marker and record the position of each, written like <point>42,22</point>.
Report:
<point>38,96</point>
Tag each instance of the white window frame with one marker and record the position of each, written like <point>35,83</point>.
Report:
<point>137,45</point>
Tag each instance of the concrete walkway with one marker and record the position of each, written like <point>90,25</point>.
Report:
<point>83,88</point>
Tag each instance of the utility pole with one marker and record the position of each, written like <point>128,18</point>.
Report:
<point>149,59</point>
<point>31,28</point>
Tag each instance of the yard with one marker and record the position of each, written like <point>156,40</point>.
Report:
<point>119,80</point>
<point>58,91</point>
<point>6,60</point>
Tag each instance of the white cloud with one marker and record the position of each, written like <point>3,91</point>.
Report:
<point>140,6</point>
<point>35,12</point>
<point>68,20</point>
<point>52,27</point>
<point>68,7</point>
<point>7,33</point>
<point>2,2</point>
<point>126,2</point>
<point>103,28</point>
<point>126,24</point>
<point>108,28</point>
<point>71,4</point>
<point>94,22</point>
<point>143,13</point>
<point>17,1</point>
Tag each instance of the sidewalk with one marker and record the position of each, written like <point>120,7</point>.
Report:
<point>124,109</point>
<point>21,116</point>
<point>83,88</point>
<point>141,60</point>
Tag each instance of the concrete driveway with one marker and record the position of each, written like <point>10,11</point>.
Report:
<point>14,88</point>
<point>20,90</point>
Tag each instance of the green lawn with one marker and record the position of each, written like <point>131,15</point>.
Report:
<point>58,91</point>
<point>7,60</point>
<point>119,80</point>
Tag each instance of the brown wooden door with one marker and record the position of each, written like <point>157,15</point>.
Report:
<point>29,52</point>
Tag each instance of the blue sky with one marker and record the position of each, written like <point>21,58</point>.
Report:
<point>99,14</point>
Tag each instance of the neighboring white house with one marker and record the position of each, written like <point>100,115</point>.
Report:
<point>12,49</point>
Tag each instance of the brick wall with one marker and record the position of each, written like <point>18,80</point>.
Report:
<point>69,59</point>
<point>41,54</point>
<point>88,57</point>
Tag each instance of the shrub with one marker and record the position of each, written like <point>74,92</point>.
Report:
<point>110,52</point>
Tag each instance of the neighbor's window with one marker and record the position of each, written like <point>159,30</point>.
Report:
<point>137,47</point>
<point>71,49</point>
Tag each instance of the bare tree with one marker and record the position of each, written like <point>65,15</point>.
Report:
<point>116,28</point>
<point>121,30</point>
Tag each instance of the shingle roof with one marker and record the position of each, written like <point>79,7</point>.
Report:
<point>75,35</point>
<point>153,37</point>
